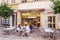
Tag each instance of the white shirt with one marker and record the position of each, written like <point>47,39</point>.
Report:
<point>27,29</point>
<point>22,28</point>
<point>17,28</point>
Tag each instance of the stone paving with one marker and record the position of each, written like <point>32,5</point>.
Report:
<point>33,36</point>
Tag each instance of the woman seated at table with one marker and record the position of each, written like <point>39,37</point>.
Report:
<point>18,29</point>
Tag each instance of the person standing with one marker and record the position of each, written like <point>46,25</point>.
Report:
<point>38,21</point>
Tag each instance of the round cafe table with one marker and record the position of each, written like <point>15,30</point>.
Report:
<point>8,30</point>
<point>49,30</point>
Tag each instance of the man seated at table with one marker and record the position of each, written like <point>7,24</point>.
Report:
<point>26,30</point>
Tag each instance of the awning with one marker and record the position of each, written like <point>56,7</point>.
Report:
<point>36,5</point>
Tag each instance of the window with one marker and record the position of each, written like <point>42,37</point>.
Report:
<point>5,22</point>
<point>24,1</point>
<point>4,1</point>
<point>35,0</point>
<point>51,21</point>
<point>12,1</point>
<point>50,25</point>
<point>54,0</point>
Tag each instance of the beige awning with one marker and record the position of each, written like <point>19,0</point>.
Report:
<point>36,5</point>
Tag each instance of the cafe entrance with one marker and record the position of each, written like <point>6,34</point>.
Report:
<point>31,17</point>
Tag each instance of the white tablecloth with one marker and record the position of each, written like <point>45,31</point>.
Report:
<point>11,28</point>
<point>48,30</point>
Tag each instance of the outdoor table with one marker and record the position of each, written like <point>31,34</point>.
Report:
<point>48,30</point>
<point>9,29</point>
<point>56,34</point>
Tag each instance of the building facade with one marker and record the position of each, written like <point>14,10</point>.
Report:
<point>32,10</point>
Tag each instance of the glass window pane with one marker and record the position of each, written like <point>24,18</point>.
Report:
<point>50,25</point>
<point>23,1</point>
<point>35,0</point>
<point>12,1</point>
<point>53,25</point>
<point>5,22</point>
<point>49,19</point>
<point>53,19</point>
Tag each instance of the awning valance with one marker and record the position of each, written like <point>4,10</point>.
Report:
<point>36,5</point>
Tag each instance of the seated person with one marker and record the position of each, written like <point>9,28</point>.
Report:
<point>18,29</point>
<point>31,27</point>
<point>26,30</point>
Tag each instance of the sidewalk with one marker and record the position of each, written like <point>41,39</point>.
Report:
<point>33,36</point>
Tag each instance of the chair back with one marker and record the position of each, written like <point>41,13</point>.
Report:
<point>42,30</point>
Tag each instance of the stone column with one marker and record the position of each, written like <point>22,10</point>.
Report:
<point>0,21</point>
<point>10,21</point>
<point>18,18</point>
<point>15,18</point>
<point>57,21</point>
<point>43,19</point>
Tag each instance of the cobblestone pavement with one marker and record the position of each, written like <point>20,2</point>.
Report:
<point>33,36</point>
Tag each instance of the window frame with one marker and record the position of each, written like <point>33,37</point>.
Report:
<point>24,1</point>
<point>13,1</point>
<point>53,22</point>
<point>4,1</point>
<point>36,0</point>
